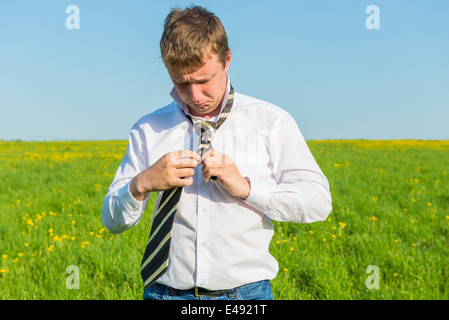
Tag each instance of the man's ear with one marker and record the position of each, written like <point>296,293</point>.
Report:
<point>228,60</point>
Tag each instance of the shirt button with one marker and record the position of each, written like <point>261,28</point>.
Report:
<point>203,244</point>
<point>204,210</point>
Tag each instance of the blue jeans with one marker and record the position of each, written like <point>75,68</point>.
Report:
<point>260,290</point>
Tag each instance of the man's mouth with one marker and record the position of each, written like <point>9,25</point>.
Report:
<point>199,105</point>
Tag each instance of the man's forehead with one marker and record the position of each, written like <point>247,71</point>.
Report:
<point>198,73</point>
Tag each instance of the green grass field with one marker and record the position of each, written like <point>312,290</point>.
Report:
<point>390,210</point>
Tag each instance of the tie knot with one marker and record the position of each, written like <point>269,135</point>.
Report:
<point>205,128</point>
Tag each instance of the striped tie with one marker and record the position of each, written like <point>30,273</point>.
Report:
<point>156,257</point>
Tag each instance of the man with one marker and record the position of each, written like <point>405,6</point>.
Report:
<point>247,165</point>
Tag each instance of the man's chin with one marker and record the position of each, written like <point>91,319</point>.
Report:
<point>202,111</point>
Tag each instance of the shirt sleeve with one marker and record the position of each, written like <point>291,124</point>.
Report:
<point>121,210</point>
<point>297,189</point>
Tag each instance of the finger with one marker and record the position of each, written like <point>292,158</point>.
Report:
<point>186,163</point>
<point>185,157</point>
<point>204,156</point>
<point>205,173</point>
<point>209,173</point>
<point>184,182</point>
<point>185,172</point>
<point>210,154</point>
<point>186,154</point>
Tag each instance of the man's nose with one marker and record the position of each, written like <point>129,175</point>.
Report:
<point>194,92</point>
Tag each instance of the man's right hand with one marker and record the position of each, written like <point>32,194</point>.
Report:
<point>175,169</point>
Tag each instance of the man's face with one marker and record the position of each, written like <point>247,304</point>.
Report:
<point>202,88</point>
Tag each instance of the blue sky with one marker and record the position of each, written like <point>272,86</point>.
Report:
<point>316,59</point>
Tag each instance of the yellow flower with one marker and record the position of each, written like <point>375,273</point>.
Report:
<point>342,225</point>
<point>412,221</point>
<point>294,238</point>
<point>2,270</point>
<point>396,241</point>
<point>395,274</point>
<point>285,269</point>
<point>324,240</point>
<point>291,248</point>
<point>277,241</point>
<point>26,244</point>
<point>73,221</point>
<point>413,245</point>
<point>447,217</point>
<point>4,256</point>
<point>20,254</point>
<point>311,232</point>
<point>50,230</point>
<point>333,236</point>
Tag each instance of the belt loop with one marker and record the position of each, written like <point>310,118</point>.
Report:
<point>173,291</point>
<point>232,293</point>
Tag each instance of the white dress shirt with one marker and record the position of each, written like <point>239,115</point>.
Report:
<point>220,241</point>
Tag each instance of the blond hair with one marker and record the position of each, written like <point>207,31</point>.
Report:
<point>191,36</point>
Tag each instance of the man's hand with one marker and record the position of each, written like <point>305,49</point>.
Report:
<point>174,169</point>
<point>216,164</point>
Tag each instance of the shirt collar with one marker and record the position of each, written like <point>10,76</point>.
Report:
<point>174,94</point>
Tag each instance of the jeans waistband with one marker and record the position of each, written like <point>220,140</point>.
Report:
<point>198,291</point>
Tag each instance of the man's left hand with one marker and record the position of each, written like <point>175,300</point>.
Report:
<point>228,176</point>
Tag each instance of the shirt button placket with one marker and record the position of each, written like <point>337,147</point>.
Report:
<point>202,235</point>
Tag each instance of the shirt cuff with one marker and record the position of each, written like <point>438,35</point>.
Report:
<point>259,194</point>
<point>127,200</point>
